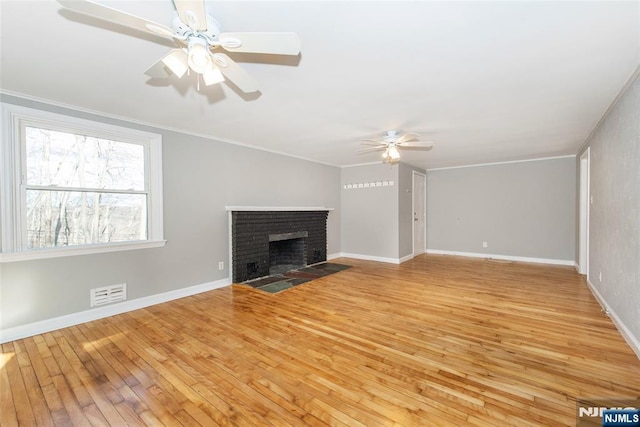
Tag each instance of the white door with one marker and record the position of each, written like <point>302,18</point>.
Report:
<point>419,192</point>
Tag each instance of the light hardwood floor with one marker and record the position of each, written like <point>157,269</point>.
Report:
<point>435,341</point>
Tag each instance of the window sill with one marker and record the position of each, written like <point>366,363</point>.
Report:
<point>78,250</point>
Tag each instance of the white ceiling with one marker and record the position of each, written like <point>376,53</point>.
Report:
<point>485,81</point>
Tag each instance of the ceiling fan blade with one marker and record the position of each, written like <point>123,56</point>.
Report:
<point>116,16</point>
<point>192,13</point>
<point>412,147</point>
<point>371,150</point>
<point>407,137</point>
<point>176,61</point>
<point>416,144</point>
<point>236,74</point>
<point>273,43</point>
<point>373,142</point>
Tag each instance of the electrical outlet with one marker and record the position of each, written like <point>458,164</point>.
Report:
<point>600,276</point>
<point>221,265</point>
<point>485,245</point>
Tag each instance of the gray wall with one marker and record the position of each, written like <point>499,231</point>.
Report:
<point>369,220</point>
<point>201,176</point>
<point>524,209</point>
<point>614,223</point>
<point>378,222</point>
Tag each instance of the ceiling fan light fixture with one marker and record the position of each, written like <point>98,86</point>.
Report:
<point>199,57</point>
<point>176,63</point>
<point>391,155</point>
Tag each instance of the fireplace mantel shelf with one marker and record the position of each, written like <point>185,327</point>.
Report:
<point>275,208</point>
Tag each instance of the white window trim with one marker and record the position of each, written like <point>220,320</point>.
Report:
<point>10,160</point>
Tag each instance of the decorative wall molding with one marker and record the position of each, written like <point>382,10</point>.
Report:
<point>501,163</point>
<point>370,184</point>
<point>48,325</point>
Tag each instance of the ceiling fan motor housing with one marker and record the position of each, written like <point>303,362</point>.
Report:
<point>390,136</point>
<point>183,30</point>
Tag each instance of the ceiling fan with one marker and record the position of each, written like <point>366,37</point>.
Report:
<point>201,42</point>
<point>392,142</point>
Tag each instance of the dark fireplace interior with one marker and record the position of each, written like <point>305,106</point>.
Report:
<point>273,242</point>
<point>286,255</point>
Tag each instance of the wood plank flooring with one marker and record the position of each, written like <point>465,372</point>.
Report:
<point>435,341</point>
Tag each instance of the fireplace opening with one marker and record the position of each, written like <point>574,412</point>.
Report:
<point>287,251</point>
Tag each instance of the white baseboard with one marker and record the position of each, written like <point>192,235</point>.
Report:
<point>505,257</point>
<point>371,257</point>
<point>406,258</point>
<point>48,325</point>
<point>628,336</point>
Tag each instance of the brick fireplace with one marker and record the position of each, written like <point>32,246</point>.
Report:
<point>268,241</point>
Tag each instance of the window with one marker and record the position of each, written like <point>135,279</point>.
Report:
<point>73,186</point>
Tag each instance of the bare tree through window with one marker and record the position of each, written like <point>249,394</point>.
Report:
<point>83,190</point>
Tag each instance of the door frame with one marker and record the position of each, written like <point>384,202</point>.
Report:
<point>584,207</point>
<point>413,210</point>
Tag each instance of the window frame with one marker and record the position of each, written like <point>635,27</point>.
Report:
<point>13,176</point>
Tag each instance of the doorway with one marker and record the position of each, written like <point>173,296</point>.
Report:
<point>419,192</point>
<point>585,196</point>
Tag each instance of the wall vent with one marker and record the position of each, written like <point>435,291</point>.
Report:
<point>108,294</point>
